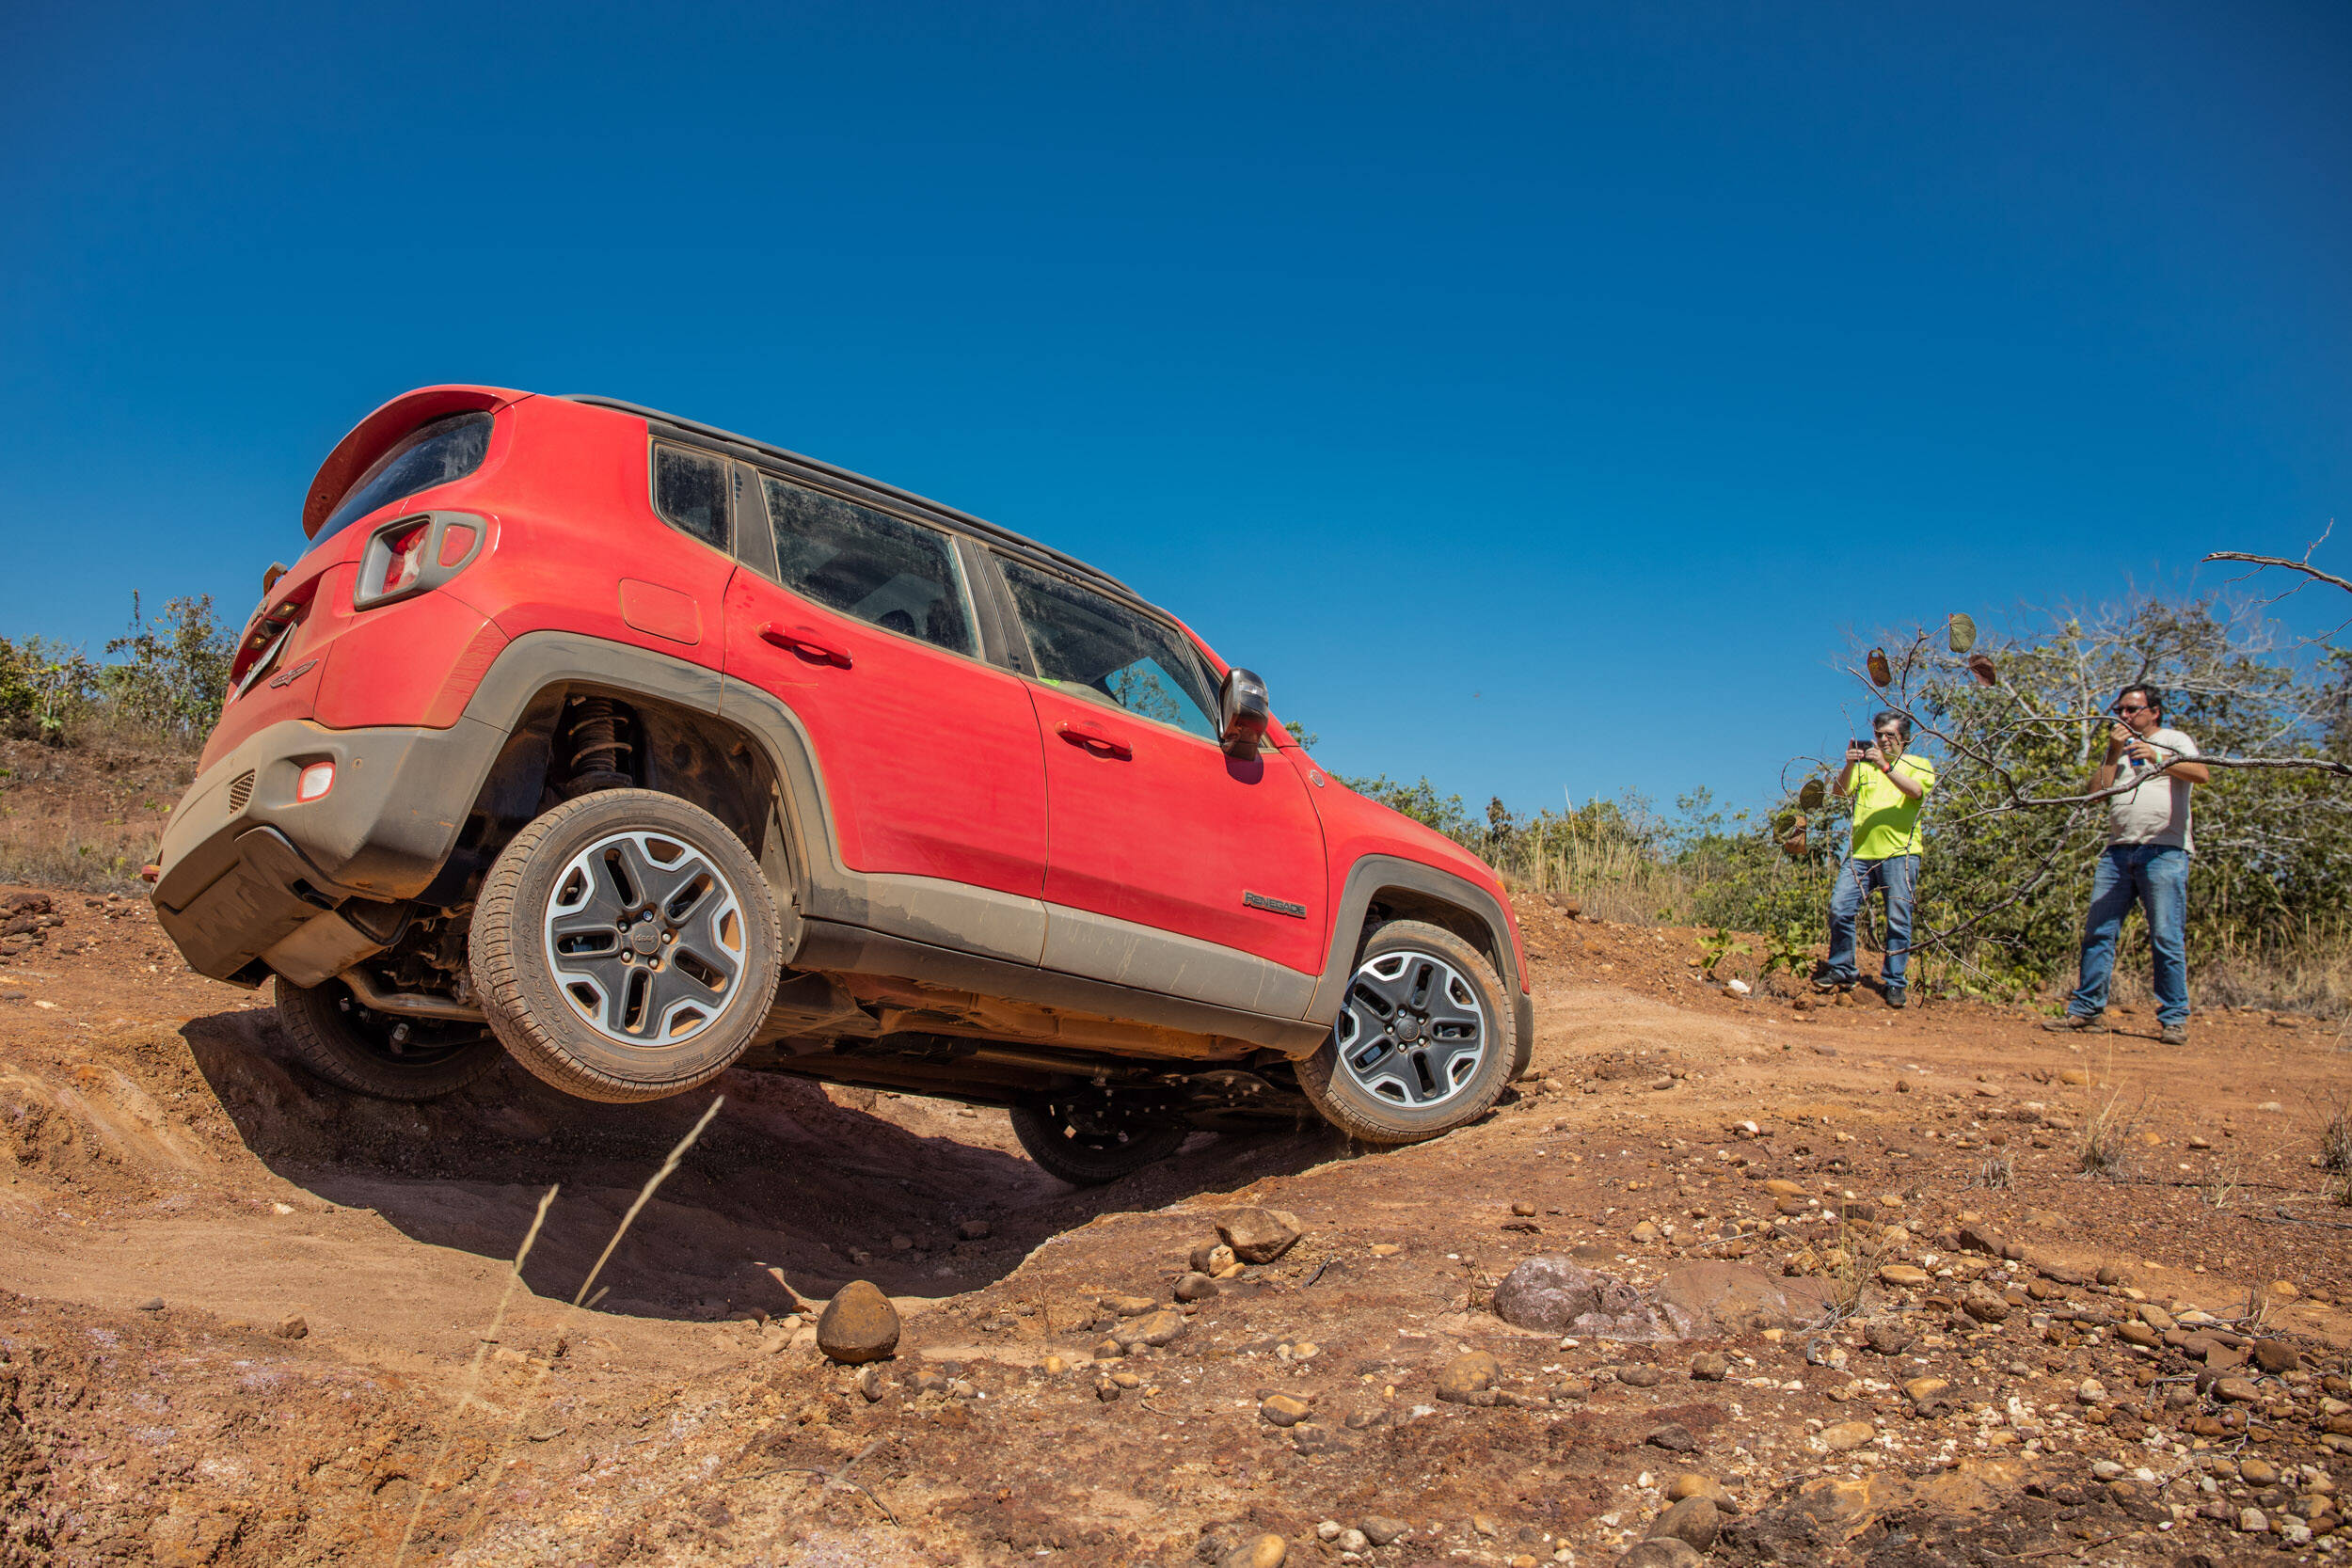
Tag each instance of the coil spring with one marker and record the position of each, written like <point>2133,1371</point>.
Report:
<point>597,749</point>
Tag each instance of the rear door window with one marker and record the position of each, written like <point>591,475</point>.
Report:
<point>875,565</point>
<point>435,454</point>
<point>1092,645</point>
<point>690,490</point>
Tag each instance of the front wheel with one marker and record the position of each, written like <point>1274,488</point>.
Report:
<point>1423,1042</point>
<point>625,946</point>
<point>1089,1145</point>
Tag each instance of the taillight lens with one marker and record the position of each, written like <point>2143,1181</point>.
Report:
<point>314,781</point>
<point>407,562</point>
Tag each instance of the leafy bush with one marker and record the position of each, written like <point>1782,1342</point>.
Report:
<point>162,690</point>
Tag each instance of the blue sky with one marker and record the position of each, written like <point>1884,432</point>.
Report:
<point>1532,394</point>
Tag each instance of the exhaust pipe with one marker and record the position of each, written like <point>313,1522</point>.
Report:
<point>408,1004</point>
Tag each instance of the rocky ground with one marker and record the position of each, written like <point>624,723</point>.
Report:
<point>246,1320</point>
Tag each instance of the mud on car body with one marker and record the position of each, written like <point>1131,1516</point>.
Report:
<point>638,750</point>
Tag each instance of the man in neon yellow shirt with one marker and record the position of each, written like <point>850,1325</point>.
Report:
<point>1888,785</point>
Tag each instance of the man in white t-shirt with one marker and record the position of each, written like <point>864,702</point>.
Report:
<point>2145,863</point>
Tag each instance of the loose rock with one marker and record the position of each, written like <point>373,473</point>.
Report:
<point>858,1325</point>
<point>1213,1258</point>
<point>1153,1328</point>
<point>1469,1378</point>
<point>1283,1410</point>
<point>1886,1337</point>
<point>1847,1436</point>
<point>1709,1365</point>
<point>1259,1235</point>
<point>1267,1551</point>
<point>2276,1356</point>
<point>1664,1553</point>
<point>1381,1530</point>
<point>1692,1521</point>
<point>1194,1286</point>
<point>1128,1306</point>
<point>294,1327</point>
<point>1673,1437</point>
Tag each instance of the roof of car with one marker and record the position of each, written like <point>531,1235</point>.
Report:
<point>836,474</point>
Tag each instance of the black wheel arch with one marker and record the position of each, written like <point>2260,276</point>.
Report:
<point>1380,887</point>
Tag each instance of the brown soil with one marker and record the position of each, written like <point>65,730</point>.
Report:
<point>177,1188</point>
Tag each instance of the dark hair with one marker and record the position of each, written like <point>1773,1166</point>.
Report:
<point>2148,695</point>
<point>1886,715</point>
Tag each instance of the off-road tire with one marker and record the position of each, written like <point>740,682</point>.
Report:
<point>1339,1091</point>
<point>351,1045</point>
<point>1083,1162</point>
<point>531,1004</point>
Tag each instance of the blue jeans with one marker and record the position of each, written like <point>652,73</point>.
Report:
<point>1898,875</point>
<point>2156,877</point>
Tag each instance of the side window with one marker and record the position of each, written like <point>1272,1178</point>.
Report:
<point>689,491</point>
<point>881,568</point>
<point>1092,646</point>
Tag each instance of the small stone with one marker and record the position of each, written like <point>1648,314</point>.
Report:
<point>1665,1552</point>
<point>152,1303</point>
<point>1194,1286</point>
<point>1128,1306</point>
<point>2257,1472</point>
<point>2107,1469</point>
<point>1903,1277</point>
<point>1055,1366</point>
<point>1259,1235</point>
<point>1469,1378</point>
<point>1926,1390</point>
<point>1693,1485</point>
<point>1381,1530</point>
<point>2110,1276</point>
<point>2254,1521</point>
<point>858,1325</point>
<point>1352,1541</point>
<point>1153,1328</point>
<point>1523,1207</point>
<point>1886,1337</point>
<point>1283,1410</point>
<point>2134,1332</point>
<point>973,1230</point>
<point>2276,1356</point>
<point>2283,1289</point>
<point>1644,1233</point>
<point>2090,1391</point>
<point>1210,1257</point>
<point>1104,1389</point>
<point>901,1244</point>
<point>293,1327</point>
<point>1641,1377</point>
<point>1692,1521</point>
<point>2240,1389</point>
<point>1327,1530</point>
<point>2155,1317</point>
<point>870,1383</point>
<point>1711,1366</point>
<point>1109,1349</point>
<point>1847,1436</point>
<point>1780,1186</point>
<point>1673,1437</point>
<point>2078,1076</point>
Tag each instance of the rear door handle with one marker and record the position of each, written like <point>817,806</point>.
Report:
<point>799,639</point>
<point>1101,742</point>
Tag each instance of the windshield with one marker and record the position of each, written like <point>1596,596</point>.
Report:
<point>430,454</point>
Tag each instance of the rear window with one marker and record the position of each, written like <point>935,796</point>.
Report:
<point>689,491</point>
<point>431,454</point>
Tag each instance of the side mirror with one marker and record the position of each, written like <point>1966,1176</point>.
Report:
<point>1242,712</point>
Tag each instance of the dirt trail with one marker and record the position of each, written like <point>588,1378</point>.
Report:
<point>179,1189</point>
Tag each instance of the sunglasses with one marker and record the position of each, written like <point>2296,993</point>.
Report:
<point>2141,708</point>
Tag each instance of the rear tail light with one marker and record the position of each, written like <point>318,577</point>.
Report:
<point>415,554</point>
<point>314,781</point>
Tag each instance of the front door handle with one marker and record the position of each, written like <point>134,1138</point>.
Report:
<point>799,639</point>
<point>1101,742</point>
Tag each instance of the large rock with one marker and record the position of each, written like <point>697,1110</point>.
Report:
<point>1259,1235</point>
<point>858,1325</point>
<point>1702,1301</point>
<point>1664,1552</point>
<point>1557,1296</point>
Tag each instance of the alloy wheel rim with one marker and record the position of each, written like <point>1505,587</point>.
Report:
<point>646,938</point>
<point>1412,1031</point>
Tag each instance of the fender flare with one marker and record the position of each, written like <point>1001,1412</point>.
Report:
<point>1374,874</point>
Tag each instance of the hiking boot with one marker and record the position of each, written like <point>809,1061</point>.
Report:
<point>2174,1033</point>
<point>2078,1023</point>
<point>1897,996</point>
<point>1825,981</point>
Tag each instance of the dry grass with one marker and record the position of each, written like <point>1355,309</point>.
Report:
<point>2103,1147</point>
<point>2335,1137</point>
<point>1999,1171</point>
<point>1615,881</point>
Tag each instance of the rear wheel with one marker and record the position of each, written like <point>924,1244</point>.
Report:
<point>625,946</point>
<point>1423,1043</point>
<point>380,1054</point>
<point>1087,1145</point>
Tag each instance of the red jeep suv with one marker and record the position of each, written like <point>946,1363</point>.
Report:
<point>641,750</point>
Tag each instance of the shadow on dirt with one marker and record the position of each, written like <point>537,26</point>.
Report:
<point>785,1179</point>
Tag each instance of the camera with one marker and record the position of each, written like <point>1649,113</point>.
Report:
<point>1859,744</point>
